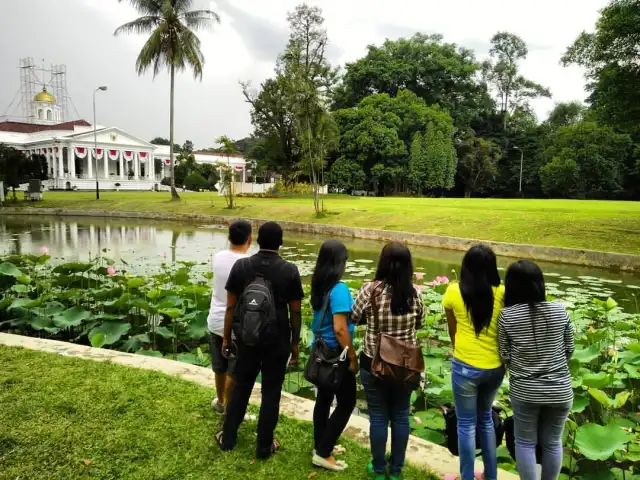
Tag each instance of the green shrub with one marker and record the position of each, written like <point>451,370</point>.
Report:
<point>195,181</point>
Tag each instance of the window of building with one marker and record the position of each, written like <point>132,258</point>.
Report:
<point>48,114</point>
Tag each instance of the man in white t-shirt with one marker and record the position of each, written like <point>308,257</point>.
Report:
<point>223,362</point>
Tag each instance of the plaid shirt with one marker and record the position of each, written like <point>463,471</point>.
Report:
<point>402,327</point>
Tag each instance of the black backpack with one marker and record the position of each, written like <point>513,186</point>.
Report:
<point>255,315</point>
<point>451,428</point>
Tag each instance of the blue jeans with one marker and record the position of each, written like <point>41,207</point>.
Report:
<point>535,423</point>
<point>474,390</point>
<point>387,406</point>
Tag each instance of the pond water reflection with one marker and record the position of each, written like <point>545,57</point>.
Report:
<point>143,246</point>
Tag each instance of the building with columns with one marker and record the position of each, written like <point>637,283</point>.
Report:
<point>121,160</point>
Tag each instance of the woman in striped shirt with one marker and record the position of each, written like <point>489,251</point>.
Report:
<point>536,341</point>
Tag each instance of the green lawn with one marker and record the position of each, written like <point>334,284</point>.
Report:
<point>69,418</point>
<point>596,225</point>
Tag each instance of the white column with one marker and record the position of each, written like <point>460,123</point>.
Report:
<point>149,166</point>
<point>136,169</point>
<point>106,164</point>
<point>71,161</point>
<point>60,162</point>
<point>90,157</point>
<point>122,176</point>
<point>244,173</point>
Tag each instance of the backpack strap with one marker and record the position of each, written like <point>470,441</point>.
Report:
<point>325,306</point>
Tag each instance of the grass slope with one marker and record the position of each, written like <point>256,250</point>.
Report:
<point>69,418</point>
<point>596,225</point>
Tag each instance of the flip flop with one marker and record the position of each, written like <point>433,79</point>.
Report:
<point>318,461</point>
<point>219,438</point>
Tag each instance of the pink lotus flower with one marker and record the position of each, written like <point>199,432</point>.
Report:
<point>111,270</point>
<point>44,250</point>
<point>417,420</point>
<point>419,275</point>
<point>432,283</point>
<point>444,280</point>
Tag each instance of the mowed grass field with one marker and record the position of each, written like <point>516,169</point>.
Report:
<point>595,225</point>
<point>68,418</point>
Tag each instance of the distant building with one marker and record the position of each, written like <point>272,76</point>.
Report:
<point>73,162</point>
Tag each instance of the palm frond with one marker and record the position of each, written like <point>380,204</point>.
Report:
<point>191,54</point>
<point>146,7</point>
<point>139,25</point>
<point>154,52</point>
<point>181,6</point>
<point>198,19</point>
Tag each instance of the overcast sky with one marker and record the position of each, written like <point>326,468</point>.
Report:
<point>79,33</point>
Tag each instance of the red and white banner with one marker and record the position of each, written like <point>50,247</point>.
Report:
<point>127,155</point>
<point>113,154</point>
<point>81,152</point>
<point>98,153</point>
<point>167,161</point>
<point>142,156</point>
<point>238,168</point>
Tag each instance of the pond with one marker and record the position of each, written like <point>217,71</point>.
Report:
<point>144,245</point>
<point>145,289</point>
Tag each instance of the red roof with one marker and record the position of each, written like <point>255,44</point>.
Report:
<point>21,127</point>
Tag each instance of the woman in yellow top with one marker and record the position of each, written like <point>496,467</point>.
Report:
<point>472,307</point>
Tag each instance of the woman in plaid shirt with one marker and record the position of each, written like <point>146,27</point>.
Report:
<point>400,314</point>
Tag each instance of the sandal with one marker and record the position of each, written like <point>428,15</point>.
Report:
<point>219,438</point>
<point>318,461</point>
<point>275,447</point>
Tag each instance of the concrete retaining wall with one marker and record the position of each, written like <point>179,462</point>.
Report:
<point>589,258</point>
<point>419,452</point>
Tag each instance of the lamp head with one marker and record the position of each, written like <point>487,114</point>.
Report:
<point>103,88</point>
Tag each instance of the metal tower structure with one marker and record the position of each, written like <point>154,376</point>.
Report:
<point>34,79</point>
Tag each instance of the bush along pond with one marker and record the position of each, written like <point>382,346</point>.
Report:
<point>164,314</point>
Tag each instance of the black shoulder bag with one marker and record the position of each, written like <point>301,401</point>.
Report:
<point>326,366</point>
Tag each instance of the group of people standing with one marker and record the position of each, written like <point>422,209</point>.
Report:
<point>492,327</point>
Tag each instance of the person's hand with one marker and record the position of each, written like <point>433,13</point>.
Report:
<point>295,355</point>
<point>226,346</point>
<point>353,365</point>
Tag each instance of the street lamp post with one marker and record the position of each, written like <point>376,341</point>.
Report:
<point>95,139</point>
<point>521,163</point>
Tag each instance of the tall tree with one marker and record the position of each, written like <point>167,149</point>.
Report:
<point>478,162</point>
<point>565,114</point>
<point>603,157</point>
<point>172,43</point>
<point>501,72</point>
<point>418,168</point>
<point>438,72</point>
<point>611,58</point>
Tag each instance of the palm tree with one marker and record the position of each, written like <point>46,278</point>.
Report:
<point>172,44</point>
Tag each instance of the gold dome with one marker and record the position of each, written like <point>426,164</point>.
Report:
<point>44,96</point>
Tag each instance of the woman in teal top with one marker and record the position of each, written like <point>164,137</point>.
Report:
<point>337,331</point>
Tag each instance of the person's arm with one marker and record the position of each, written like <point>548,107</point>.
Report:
<point>452,325</point>
<point>295,307</point>
<point>232,300</point>
<point>504,345</point>
<point>568,339</point>
<point>296,294</point>
<point>360,305</point>
<point>421,312</point>
<point>341,328</point>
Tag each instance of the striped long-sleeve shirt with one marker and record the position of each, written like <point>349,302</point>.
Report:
<point>536,344</point>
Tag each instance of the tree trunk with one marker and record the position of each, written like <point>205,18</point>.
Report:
<point>174,192</point>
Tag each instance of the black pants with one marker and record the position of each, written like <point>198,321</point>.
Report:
<point>327,429</point>
<point>250,362</point>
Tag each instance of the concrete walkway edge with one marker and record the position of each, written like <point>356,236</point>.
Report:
<point>572,256</point>
<point>420,453</point>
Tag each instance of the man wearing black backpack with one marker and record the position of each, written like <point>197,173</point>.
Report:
<point>264,295</point>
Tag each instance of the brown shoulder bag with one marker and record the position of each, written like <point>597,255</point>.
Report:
<point>396,362</point>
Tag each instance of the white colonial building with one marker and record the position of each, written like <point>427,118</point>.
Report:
<point>120,161</point>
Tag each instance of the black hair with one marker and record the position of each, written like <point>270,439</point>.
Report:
<point>330,264</point>
<point>239,232</point>
<point>395,269</point>
<point>524,284</point>
<point>270,236</point>
<point>478,276</point>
